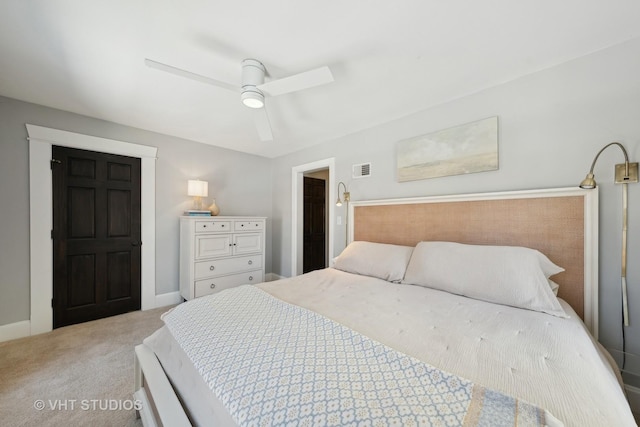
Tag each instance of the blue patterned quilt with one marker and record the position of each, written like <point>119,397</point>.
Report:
<point>273,363</point>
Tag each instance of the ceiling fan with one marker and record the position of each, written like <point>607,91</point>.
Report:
<point>253,87</point>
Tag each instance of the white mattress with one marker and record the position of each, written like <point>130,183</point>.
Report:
<point>551,362</point>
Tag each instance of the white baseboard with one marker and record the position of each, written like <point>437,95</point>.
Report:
<point>170,298</point>
<point>633,396</point>
<point>22,329</point>
<point>15,330</point>
<point>270,277</point>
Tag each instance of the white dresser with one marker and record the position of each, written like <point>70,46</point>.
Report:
<point>220,252</point>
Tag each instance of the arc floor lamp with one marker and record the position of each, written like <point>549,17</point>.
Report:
<point>625,173</point>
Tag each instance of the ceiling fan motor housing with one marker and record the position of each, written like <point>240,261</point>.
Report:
<point>252,76</point>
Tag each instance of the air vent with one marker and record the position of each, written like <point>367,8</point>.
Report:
<point>362,170</point>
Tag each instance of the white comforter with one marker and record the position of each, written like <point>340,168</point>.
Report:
<point>548,361</point>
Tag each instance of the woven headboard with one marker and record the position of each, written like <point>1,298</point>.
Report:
<point>561,223</point>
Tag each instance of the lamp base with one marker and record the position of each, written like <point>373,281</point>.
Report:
<point>633,174</point>
<point>197,203</point>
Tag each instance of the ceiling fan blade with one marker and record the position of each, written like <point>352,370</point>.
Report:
<point>189,75</point>
<point>263,126</point>
<point>304,80</point>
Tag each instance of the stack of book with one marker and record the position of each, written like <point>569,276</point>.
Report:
<point>195,212</point>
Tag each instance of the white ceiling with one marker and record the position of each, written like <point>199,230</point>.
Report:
<point>389,58</point>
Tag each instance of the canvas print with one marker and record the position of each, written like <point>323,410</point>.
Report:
<point>463,149</point>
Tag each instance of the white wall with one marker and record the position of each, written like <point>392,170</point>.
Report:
<point>236,180</point>
<point>551,125</point>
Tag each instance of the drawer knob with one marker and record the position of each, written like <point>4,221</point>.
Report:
<point>250,262</point>
<point>250,278</point>
<point>213,286</point>
<point>212,268</point>
<point>204,226</point>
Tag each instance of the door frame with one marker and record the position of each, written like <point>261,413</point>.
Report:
<point>41,140</point>
<point>297,204</point>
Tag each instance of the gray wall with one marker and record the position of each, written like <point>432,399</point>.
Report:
<point>236,180</point>
<point>551,125</point>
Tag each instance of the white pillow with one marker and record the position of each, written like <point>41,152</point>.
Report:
<point>381,260</point>
<point>508,275</point>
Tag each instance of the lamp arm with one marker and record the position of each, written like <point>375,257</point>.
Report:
<point>347,198</point>
<point>343,186</point>
<point>626,157</point>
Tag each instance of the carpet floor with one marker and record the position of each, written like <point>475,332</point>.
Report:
<point>79,375</point>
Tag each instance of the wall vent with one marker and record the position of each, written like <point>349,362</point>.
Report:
<point>362,170</point>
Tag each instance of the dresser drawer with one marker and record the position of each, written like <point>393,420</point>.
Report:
<point>219,267</point>
<point>217,284</point>
<point>212,225</point>
<point>248,225</point>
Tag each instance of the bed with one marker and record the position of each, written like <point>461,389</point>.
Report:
<point>398,333</point>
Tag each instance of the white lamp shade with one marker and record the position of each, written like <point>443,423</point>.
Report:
<point>197,188</point>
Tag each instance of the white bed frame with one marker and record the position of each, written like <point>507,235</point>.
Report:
<point>161,405</point>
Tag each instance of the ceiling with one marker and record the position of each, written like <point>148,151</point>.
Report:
<point>388,58</point>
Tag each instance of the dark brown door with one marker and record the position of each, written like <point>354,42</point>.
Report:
<point>96,235</point>
<point>314,225</point>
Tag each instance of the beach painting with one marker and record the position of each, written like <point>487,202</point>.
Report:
<point>459,150</point>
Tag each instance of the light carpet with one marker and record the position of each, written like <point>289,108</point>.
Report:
<point>79,375</point>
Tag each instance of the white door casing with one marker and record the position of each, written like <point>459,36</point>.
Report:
<point>41,140</point>
<point>297,199</point>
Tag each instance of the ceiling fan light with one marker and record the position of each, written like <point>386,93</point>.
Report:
<point>253,103</point>
<point>252,99</point>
